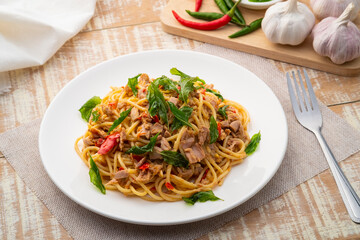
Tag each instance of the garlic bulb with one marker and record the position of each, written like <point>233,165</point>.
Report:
<point>333,8</point>
<point>337,38</point>
<point>288,22</point>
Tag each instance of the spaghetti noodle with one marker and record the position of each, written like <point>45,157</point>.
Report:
<point>180,152</point>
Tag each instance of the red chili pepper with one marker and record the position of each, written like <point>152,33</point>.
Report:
<point>178,87</point>
<point>137,157</point>
<point>113,104</point>
<point>144,166</point>
<point>219,128</point>
<point>212,25</point>
<point>153,189</point>
<point>120,168</point>
<point>169,186</point>
<point>198,4</point>
<point>205,174</point>
<point>109,143</point>
<point>99,142</point>
<point>155,118</point>
<point>203,91</point>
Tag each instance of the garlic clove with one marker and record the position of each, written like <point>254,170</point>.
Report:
<point>288,22</point>
<point>337,38</point>
<point>333,8</point>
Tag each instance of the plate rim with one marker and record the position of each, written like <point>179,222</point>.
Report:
<point>159,223</point>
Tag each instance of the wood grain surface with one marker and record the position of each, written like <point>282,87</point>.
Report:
<point>256,42</point>
<point>313,210</point>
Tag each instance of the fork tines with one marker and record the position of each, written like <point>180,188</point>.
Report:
<point>303,101</point>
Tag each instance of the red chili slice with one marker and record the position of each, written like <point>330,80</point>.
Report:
<point>109,143</point>
<point>137,157</point>
<point>144,166</point>
<point>155,118</point>
<point>205,174</point>
<point>99,142</point>
<point>198,4</point>
<point>169,186</point>
<point>219,128</point>
<point>113,104</point>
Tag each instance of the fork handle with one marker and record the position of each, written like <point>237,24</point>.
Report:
<point>348,194</point>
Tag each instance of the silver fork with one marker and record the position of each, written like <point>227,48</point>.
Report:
<point>308,114</point>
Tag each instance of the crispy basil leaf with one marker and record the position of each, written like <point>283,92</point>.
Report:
<point>87,108</point>
<point>215,93</point>
<point>201,197</point>
<point>175,71</point>
<point>175,158</point>
<point>95,177</point>
<point>186,84</point>
<point>222,111</point>
<point>186,87</point>
<point>117,122</point>
<point>144,149</point>
<point>132,83</point>
<point>176,124</point>
<point>95,116</point>
<point>180,116</point>
<point>167,83</point>
<point>214,133</point>
<point>157,103</point>
<point>254,142</point>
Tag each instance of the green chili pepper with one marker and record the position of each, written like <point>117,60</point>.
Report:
<point>224,8</point>
<point>252,27</point>
<point>210,16</point>
<point>238,14</point>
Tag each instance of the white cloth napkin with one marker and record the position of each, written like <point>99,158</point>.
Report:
<point>31,31</point>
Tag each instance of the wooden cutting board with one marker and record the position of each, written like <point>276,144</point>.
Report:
<point>256,42</point>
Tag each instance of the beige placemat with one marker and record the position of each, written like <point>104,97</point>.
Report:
<point>302,161</point>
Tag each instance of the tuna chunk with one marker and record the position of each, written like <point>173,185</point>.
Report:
<point>145,130</point>
<point>155,154</point>
<point>144,80</point>
<point>235,125</point>
<point>175,101</point>
<point>165,145</point>
<point>195,153</point>
<point>142,92</point>
<point>144,176</point>
<point>204,135</point>
<point>121,174</point>
<point>134,114</point>
<point>122,138</point>
<point>233,144</point>
<point>187,139</point>
<point>225,124</point>
<point>156,128</point>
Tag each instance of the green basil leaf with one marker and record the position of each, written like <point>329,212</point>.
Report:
<point>214,133</point>
<point>95,116</point>
<point>132,83</point>
<point>117,122</point>
<point>201,197</point>
<point>167,83</point>
<point>222,111</point>
<point>180,116</point>
<point>176,124</point>
<point>95,177</point>
<point>87,108</point>
<point>157,103</point>
<point>175,158</point>
<point>144,149</point>
<point>254,142</point>
<point>215,93</point>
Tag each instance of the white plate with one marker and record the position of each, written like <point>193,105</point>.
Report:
<point>62,124</point>
<point>257,5</point>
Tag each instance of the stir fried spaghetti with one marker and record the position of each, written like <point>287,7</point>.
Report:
<point>161,139</point>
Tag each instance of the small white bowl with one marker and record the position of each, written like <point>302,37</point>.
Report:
<point>257,5</point>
